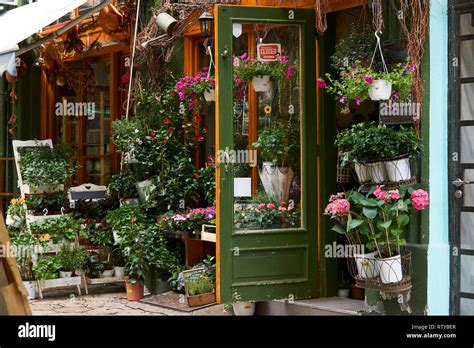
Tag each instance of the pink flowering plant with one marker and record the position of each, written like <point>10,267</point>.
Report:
<point>378,219</point>
<point>267,215</point>
<point>246,68</point>
<point>190,89</point>
<point>354,82</point>
<point>188,221</point>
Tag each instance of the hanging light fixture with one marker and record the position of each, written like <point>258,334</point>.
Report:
<point>206,22</point>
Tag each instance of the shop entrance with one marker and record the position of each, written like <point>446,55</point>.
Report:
<point>267,172</point>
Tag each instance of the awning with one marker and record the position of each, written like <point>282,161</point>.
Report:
<point>20,23</point>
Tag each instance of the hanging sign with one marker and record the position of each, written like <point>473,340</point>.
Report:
<point>268,52</point>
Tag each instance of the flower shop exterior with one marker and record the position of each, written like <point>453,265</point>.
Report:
<point>255,106</point>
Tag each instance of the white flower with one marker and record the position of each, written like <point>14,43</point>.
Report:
<point>136,130</point>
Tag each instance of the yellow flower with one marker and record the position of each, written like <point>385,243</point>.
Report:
<point>13,201</point>
<point>21,201</point>
<point>45,237</point>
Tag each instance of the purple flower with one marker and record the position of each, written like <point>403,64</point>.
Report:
<point>369,79</point>
<point>343,100</point>
<point>244,56</point>
<point>410,68</point>
<point>357,100</point>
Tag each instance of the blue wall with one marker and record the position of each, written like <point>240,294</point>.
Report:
<point>438,251</point>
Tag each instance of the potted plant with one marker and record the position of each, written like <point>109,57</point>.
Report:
<point>123,186</point>
<point>191,89</point>
<point>378,220</point>
<point>46,205</point>
<point>278,146</point>
<point>199,287</point>
<point>261,73</point>
<point>47,267</point>
<point>63,228</point>
<point>243,308</point>
<point>46,169</point>
<point>72,258</point>
<point>24,244</point>
<point>124,216</point>
<point>357,83</point>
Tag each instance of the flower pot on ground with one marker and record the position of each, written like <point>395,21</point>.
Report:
<point>135,291</point>
<point>357,293</point>
<point>398,169</point>
<point>343,293</point>
<point>390,269</point>
<point>244,308</point>
<point>262,83</point>
<point>380,90</point>
<point>367,266</point>
<point>30,286</point>
<point>377,171</point>
<point>199,286</point>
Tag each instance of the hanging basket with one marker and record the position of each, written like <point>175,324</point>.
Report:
<point>380,90</point>
<point>276,181</point>
<point>210,96</point>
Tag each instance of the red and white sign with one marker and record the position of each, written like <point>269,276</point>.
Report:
<point>268,52</point>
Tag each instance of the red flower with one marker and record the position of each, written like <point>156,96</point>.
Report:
<point>153,131</point>
<point>153,137</point>
<point>206,129</point>
<point>200,138</point>
<point>166,121</point>
<point>172,93</point>
<point>197,118</point>
<point>171,130</point>
<point>165,140</point>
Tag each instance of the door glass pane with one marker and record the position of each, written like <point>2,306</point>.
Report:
<point>467,144</point>
<point>467,230</point>
<point>467,56</point>
<point>267,176</point>
<point>467,306</point>
<point>468,193</point>
<point>467,273</point>
<point>466,24</point>
<point>467,102</point>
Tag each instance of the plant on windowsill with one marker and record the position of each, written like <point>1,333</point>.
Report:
<point>248,69</point>
<point>47,168</point>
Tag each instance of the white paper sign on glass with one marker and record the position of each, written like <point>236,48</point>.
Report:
<point>242,187</point>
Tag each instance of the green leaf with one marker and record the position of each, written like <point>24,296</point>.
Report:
<point>338,229</point>
<point>403,219</point>
<point>355,223</point>
<point>396,232</point>
<point>384,225</point>
<point>370,213</point>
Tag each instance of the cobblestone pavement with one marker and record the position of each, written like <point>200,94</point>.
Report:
<point>105,301</point>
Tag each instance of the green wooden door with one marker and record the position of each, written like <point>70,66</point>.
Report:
<point>267,225</point>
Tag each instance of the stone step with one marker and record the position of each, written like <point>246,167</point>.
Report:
<point>317,306</point>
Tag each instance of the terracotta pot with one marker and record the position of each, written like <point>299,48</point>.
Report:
<point>135,291</point>
<point>357,293</point>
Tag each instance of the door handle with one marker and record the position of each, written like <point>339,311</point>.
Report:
<point>458,182</point>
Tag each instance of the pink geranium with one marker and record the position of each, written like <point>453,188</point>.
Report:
<point>419,199</point>
<point>261,206</point>
<point>379,193</point>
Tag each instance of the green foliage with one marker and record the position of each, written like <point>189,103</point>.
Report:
<point>72,257</point>
<point>279,143</point>
<point>47,267</point>
<point>42,165</point>
<point>246,68</point>
<point>368,141</point>
<point>267,216</point>
<point>198,283</point>
<point>207,181</point>
<point>53,202</point>
<point>123,184</point>
<point>65,227</point>
<point>126,215</point>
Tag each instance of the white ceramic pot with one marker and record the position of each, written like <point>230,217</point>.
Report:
<point>262,83</point>
<point>119,271</point>
<point>398,170</point>
<point>107,273</point>
<point>377,172</point>
<point>343,293</point>
<point>380,90</point>
<point>30,286</point>
<point>244,308</point>
<point>362,172</point>
<point>367,266</point>
<point>78,272</point>
<point>210,96</point>
<point>63,274</point>
<point>390,269</point>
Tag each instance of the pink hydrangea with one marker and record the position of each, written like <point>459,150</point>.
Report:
<point>419,199</point>
<point>379,193</point>
<point>394,194</point>
<point>271,206</point>
<point>261,206</point>
<point>339,207</point>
